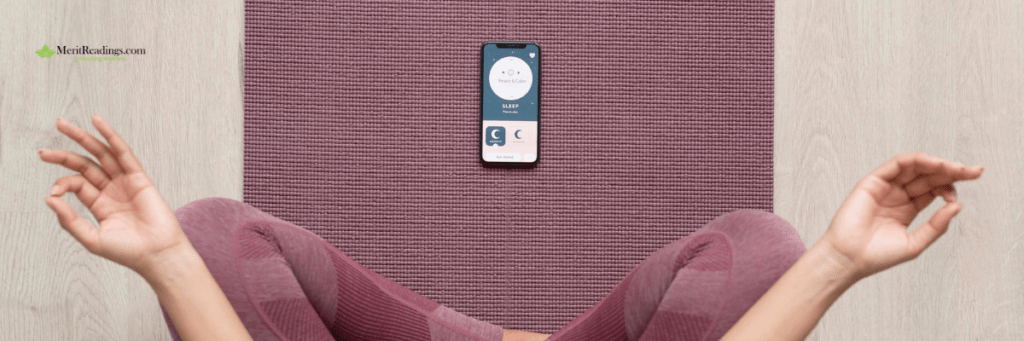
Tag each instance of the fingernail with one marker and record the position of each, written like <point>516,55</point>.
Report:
<point>41,152</point>
<point>54,190</point>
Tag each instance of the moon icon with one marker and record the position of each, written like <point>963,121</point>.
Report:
<point>493,134</point>
<point>517,134</point>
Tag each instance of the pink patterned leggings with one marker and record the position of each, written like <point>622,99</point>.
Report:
<point>288,284</point>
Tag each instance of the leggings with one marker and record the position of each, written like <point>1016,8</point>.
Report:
<point>286,283</point>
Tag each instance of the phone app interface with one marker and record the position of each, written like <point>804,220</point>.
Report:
<point>511,78</point>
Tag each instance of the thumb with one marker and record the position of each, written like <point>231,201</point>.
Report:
<point>77,226</point>
<point>931,230</point>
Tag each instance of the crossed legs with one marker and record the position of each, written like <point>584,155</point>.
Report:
<point>288,284</point>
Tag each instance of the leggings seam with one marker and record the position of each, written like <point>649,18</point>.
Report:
<point>695,237</point>
<point>362,269</point>
<point>723,296</point>
<point>236,241</point>
<point>273,327</point>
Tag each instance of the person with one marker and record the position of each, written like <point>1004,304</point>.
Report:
<point>744,276</point>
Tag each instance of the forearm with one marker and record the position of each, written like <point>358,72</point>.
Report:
<point>193,300</point>
<point>793,305</point>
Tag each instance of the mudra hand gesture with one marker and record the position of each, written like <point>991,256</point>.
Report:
<point>139,230</point>
<point>868,234</point>
<point>136,226</point>
<point>871,226</point>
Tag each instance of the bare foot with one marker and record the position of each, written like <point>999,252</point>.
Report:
<point>519,335</point>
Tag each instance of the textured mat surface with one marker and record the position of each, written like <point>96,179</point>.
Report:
<point>362,123</point>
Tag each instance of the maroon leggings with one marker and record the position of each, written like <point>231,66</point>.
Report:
<point>288,284</point>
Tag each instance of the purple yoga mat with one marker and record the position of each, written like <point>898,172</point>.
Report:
<point>362,125</point>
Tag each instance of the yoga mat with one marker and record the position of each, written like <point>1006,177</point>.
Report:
<point>362,125</point>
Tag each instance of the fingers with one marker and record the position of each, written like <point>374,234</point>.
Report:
<point>930,231</point>
<point>887,171</point>
<point>905,168</point>
<point>901,166</point>
<point>947,192</point>
<point>120,149</point>
<point>927,183</point>
<point>914,164</point>
<point>78,163</point>
<point>83,189</point>
<point>77,226</point>
<point>91,144</point>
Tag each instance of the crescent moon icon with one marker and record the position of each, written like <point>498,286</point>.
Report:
<point>493,132</point>
<point>517,134</point>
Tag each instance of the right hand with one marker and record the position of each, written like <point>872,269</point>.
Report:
<point>870,228</point>
<point>137,227</point>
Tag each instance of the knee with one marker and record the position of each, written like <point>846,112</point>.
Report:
<point>764,247</point>
<point>212,222</point>
<point>760,232</point>
<point>213,207</point>
<point>205,205</point>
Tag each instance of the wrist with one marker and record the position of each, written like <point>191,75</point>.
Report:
<point>171,265</point>
<point>831,267</point>
<point>791,308</point>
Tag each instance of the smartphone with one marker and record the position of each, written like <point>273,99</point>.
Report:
<point>510,103</point>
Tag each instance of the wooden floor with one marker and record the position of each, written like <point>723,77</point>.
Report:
<point>856,83</point>
<point>860,81</point>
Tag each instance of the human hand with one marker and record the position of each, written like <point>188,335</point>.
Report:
<point>137,227</point>
<point>870,227</point>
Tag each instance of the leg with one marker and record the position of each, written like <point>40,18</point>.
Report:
<point>695,288</point>
<point>286,283</point>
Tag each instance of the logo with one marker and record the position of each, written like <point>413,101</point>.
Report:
<point>495,136</point>
<point>45,52</point>
<point>104,53</point>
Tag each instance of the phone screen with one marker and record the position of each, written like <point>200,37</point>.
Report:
<point>510,102</point>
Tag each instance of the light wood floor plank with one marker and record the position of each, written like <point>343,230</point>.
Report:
<point>55,290</point>
<point>858,82</point>
<point>179,107</point>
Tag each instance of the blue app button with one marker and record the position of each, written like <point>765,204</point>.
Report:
<point>495,136</point>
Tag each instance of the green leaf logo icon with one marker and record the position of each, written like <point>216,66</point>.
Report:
<point>45,52</point>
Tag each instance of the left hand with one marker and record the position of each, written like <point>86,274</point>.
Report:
<point>870,228</point>
<point>137,227</point>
